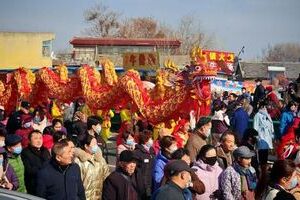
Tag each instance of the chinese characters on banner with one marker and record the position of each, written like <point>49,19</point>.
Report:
<point>140,61</point>
<point>218,85</point>
<point>215,57</point>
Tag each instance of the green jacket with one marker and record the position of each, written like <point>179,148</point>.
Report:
<point>17,165</point>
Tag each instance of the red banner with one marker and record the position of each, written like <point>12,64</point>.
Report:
<point>140,61</point>
<point>215,57</point>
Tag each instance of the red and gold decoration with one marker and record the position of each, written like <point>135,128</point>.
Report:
<point>220,60</point>
<point>175,95</point>
<point>5,93</point>
<point>24,79</point>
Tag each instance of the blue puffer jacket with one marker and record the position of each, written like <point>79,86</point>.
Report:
<point>158,171</point>
<point>286,120</point>
<point>57,183</point>
<point>239,122</point>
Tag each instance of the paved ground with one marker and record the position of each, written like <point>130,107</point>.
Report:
<point>110,154</point>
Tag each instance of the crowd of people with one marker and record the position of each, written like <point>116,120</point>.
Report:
<point>56,152</point>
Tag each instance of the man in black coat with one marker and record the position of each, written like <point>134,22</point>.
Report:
<point>33,157</point>
<point>259,93</point>
<point>145,155</point>
<point>232,103</point>
<point>60,178</point>
<point>122,183</point>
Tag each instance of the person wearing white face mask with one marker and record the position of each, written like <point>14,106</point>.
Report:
<point>14,149</point>
<point>128,143</point>
<point>8,178</point>
<point>168,146</point>
<point>198,139</point>
<point>282,180</point>
<point>94,129</point>
<point>25,130</point>
<point>93,167</point>
<point>40,120</point>
<point>146,155</point>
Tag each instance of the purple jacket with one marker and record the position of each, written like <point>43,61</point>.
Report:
<point>11,175</point>
<point>209,175</point>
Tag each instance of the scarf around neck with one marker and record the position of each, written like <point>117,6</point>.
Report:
<point>249,173</point>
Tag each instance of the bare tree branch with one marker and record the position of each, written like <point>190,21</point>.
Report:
<point>191,34</point>
<point>103,21</point>
<point>284,52</point>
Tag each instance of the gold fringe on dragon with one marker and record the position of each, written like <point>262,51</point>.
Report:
<point>176,93</point>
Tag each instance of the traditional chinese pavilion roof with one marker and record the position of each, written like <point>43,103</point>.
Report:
<point>86,41</point>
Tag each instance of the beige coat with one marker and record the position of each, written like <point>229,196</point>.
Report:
<point>94,171</point>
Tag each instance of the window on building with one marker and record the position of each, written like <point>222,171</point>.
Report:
<point>276,72</point>
<point>47,48</point>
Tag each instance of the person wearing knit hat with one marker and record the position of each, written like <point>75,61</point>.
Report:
<point>198,139</point>
<point>8,178</point>
<point>14,149</point>
<point>122,183</point>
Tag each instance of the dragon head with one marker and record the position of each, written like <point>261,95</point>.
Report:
<point>198,76</point>
<point>200,69</point>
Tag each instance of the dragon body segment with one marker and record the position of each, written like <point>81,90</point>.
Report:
<point>175,94</point>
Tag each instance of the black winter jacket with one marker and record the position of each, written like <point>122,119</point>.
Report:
<point>119,186</point>
<point>55,182</point>
<point>144,170</point>
<point>33,160</point>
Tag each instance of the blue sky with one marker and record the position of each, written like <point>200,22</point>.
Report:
<point>234,23</point>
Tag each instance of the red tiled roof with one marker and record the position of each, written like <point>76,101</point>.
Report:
<point>77,41</point>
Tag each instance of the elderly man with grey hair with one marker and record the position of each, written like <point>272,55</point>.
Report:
<point>60,178</point>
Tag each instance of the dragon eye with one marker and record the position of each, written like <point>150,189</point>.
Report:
<point>197,68</point>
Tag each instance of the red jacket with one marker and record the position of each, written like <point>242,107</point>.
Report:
<point>289,139</point>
